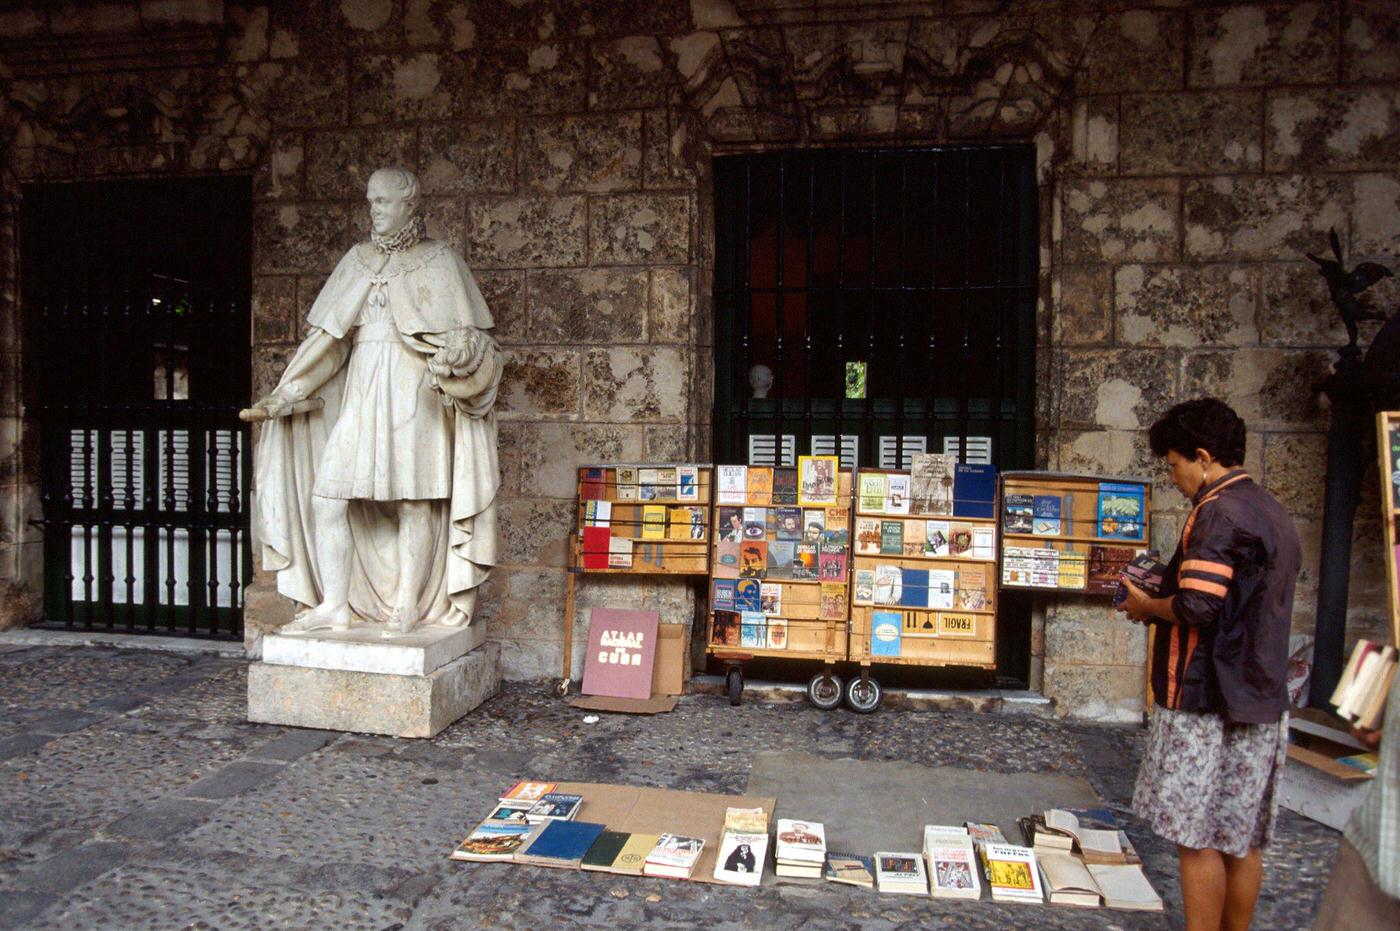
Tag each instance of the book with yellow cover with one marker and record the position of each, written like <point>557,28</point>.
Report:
<point>760,485</point>
<point>654,522</point>
<point>633,856</point>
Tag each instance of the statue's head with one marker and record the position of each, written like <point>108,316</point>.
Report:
<point>393,199</point>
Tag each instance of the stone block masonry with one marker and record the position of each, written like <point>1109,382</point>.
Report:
<point>1188,155</point>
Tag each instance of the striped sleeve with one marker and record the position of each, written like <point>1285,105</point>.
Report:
<point>1207,568</point>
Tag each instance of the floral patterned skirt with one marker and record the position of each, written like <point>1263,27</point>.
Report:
<point>1207,784</point>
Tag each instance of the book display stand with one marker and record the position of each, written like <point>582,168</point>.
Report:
<point>1388,444</point>
<point>924,583</point>
<point>1066,532</point>
<point>637,519</point>
<point>778,572</point>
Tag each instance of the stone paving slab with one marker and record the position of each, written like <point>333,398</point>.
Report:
<point>175,811</point>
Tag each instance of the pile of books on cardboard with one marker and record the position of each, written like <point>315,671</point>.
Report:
<point>801,849</point>
<point>1361,692</point>
<point>1085,860</point>
<point>742,847</point>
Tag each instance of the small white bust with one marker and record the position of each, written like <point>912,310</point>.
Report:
<point>760,380</point>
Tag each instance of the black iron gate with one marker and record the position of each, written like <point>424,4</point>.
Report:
<point>891,293</point>
<point>136,298</point>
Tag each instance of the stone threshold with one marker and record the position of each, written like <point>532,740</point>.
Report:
<point>34,637</point>
<point>992,701</point>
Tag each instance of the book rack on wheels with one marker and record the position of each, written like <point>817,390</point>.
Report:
<point>923,589</point>
<point>1066,532</point>
<point>778,577</point>
<point>1388,446</point>
<point>636,519</point>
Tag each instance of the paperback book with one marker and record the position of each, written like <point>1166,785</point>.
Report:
<point>931,477</point>
<point>740,858</point>
<point>554,807</point>
<point>952,868</point>
<point>559,844</point>
<point>492,842</point>
<point>731,484</point>
<point>674,856</point>
<point>850,868</point>
<point>901,873</point>
<point>1121,510</point>
<point>1012,873</point>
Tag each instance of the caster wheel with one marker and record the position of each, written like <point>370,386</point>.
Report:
<point>864,695</point>
<point>734,685</point>
<point>562,689</point>
<point>824,691</point>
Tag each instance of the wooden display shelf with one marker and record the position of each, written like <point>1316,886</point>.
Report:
<point>745,548</point>
<point>617,489</point>
<point>1071,502</point>
<point>938,635</point>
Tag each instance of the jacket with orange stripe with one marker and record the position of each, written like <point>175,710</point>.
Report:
<point>1233,574</point>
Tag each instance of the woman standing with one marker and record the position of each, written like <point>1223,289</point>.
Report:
<point>1218,734</point>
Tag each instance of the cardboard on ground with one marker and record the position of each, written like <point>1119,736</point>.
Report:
<point>636,810</point>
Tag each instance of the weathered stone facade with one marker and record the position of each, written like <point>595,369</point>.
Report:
<point>1189,153</point>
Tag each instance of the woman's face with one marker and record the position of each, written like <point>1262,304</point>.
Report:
<point>1188,475</point>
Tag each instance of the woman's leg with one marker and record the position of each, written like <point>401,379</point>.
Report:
<point>1203,887</point>
<point>1243,876</point>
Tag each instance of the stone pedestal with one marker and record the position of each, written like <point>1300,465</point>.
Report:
<point>357,680</point>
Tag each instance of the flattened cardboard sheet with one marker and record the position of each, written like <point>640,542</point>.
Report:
<point>656,704</point>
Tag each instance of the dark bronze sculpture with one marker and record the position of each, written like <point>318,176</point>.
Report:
<point>1359,386</point>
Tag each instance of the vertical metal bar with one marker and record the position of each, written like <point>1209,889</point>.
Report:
<point>903,308</point>
<point>966,354</point>
<point>871,298</point>
<point>999,349</point>
<point>778,394</point>
<point>841,296</point>
<point>128,509</point>
<point>934,307</point>
<point>810,302</point>
<point>741,423</point>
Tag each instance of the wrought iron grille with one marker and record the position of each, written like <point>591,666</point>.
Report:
<point>918,264</point>
<point>137,308</point>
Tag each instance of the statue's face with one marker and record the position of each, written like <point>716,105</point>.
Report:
<point>388,211</point>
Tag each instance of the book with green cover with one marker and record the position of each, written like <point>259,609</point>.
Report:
<point>604,851</point>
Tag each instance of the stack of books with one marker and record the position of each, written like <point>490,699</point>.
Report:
<point>983,833</point>
<point>506,830</point>
<point>742,847</point>
<point>1361,692</point>
<point>952,864</point>
<point>1092,833</point>
<point>801,849</point>
<point>901,873</point>
<point>673,856</point>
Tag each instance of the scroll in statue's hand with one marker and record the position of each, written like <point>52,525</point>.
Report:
<point>272,407</point>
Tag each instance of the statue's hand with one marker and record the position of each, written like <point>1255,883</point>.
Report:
<point>461,354</point>
<point>268,408</point>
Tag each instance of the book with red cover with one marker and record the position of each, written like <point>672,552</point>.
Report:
<point>595,547</point>
<point>621,652</point>
<point>593,486</point>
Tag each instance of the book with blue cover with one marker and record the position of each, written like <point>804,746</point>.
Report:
<point>974,489</point>
<point>748,595</point>
<point>1046,515</point>
<point>914,590</point>
<point>560,844</point>
<point>1121,509</point>
<point>884,633</point>
<point>724,596</point>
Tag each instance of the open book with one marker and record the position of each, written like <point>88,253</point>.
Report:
<point>1096,844</point>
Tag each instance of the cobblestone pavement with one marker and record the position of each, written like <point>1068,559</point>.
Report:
<point>134,795</point>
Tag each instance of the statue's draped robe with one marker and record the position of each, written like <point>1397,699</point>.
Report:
<point>426,291</point>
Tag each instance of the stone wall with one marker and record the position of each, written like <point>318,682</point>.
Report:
<point>1188,155</point>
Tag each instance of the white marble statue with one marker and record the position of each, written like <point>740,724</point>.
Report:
<point>377,466</point>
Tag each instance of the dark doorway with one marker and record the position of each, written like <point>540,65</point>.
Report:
<point>891,294</point>
<point>136,301</point>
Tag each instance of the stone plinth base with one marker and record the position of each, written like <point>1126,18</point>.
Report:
<point>373,702</point>
<point>366,649</point>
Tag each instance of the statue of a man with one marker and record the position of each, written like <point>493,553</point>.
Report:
<point>377,467</point>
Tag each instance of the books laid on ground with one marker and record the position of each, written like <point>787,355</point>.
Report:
<point>1096,845</point>
<point>743,845</point>
<point>801,848</point>
<point>526,794</point>
<point>632,858</point>
<point>604,851</point>
<point>489,842</point>
<point>1012,873</point>
<point>982,834</point>
<point>674,855</point>
<point>554,807</point>
<point>1361,692</point>
<point>900,873</point>
<point>1125,887</point>
<point>1067,881</point>
<point>558,843</point>
<point>740,858</point>
<point>850,868</point>
<point>952,867</point>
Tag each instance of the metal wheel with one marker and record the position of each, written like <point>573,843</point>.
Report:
<point>734,684</point>
<point>863,696</point>
<point>561,689</point>
<point>824,690</point>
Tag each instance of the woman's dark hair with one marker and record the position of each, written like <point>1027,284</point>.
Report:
<point>1201,424</point>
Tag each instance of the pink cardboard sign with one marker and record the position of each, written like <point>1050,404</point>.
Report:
<point>621,651</point>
